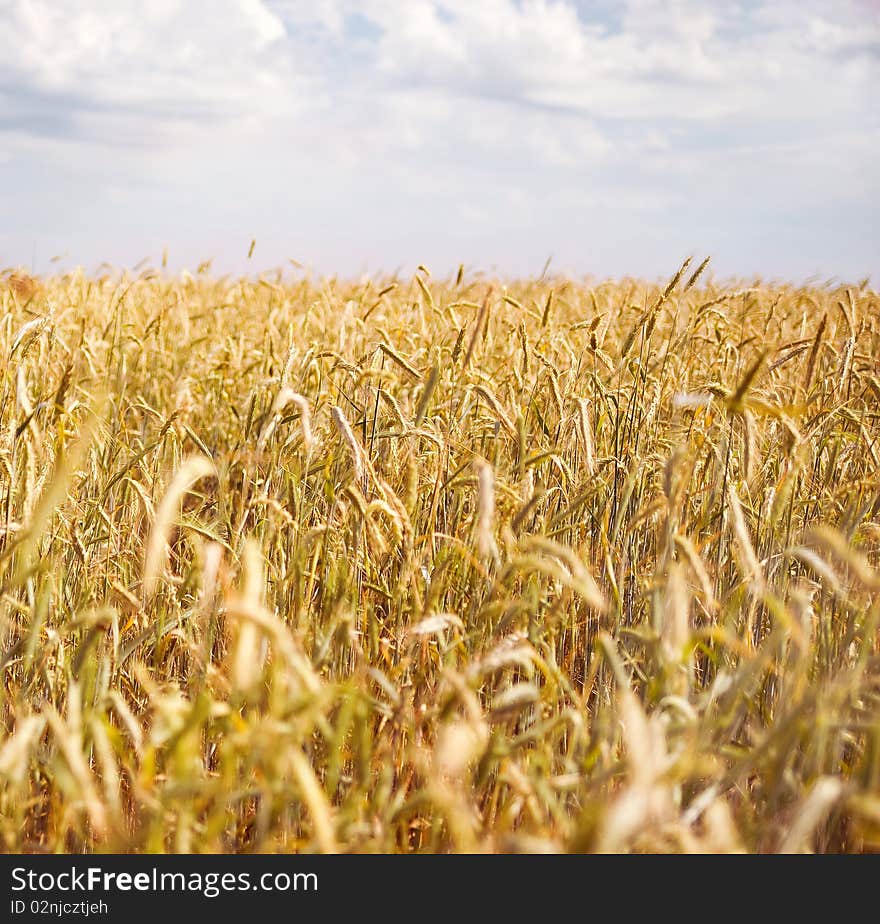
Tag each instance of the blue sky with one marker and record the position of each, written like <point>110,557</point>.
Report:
<point>617,137</point>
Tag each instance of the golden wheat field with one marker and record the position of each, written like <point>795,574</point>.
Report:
<point>438,565</point>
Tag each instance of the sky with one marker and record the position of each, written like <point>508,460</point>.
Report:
<point>615,137</point>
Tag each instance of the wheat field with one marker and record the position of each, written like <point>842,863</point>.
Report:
<point>410,564</point>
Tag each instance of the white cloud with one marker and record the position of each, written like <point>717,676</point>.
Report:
<point>682,60</point>
<point>545,124</point>
<point>160,58</point>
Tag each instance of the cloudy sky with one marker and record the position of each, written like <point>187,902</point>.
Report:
<point>617,136</point>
